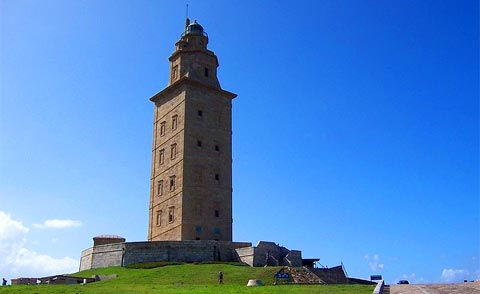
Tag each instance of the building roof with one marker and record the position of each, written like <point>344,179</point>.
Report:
<point>108,237</point>
<point>194,28</point>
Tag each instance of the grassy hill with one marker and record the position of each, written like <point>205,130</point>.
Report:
<point>185,278</point>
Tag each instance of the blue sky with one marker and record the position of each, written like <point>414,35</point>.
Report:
<point>355,130</point>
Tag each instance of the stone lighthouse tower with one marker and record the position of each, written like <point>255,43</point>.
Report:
<point>191,177</point>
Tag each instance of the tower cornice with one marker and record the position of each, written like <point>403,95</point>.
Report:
<point>187,81</point>
<point>180,52</point>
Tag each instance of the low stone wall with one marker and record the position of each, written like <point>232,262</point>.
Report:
<point>124,254</point>
<point>379,288</point>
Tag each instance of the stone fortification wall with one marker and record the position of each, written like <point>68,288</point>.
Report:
<point>123,254</point>
<point>86,259</point>
<point>107,255</point>
<point>181,251</point>
<point>102,256</point>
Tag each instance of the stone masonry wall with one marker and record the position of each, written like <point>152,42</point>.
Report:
<point>102,256</point>
<point>123,254</point>
<point>107,255</point>
<point>86,259</point>
<point>181,251</point>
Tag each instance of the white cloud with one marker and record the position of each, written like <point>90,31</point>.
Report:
<point>59,224</point>
<point>413,279</point>
<point>26,261</point>
<point>16,260</point>
<point>10,229</point>
<point>454,275</point>
<point>374,262</point>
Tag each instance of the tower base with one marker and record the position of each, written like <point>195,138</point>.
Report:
<point>127,253</point>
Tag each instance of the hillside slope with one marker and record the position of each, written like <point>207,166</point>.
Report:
<point>185,278</point>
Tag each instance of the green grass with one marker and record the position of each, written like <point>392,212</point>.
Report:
<point>186,278</point>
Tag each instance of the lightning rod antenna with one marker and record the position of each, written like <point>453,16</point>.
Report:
<point>187,20</point>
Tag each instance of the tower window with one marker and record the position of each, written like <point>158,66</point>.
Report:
<point>200,113</point>
<point>174,72</point>
<point>171,214</point>
<point>174,122</point>
<point>206,72</point>
<point>217,177</point>
<point>162,128</point>
<point>217,231</point>
<point>160,188</point>
<point>199,143</point>
<point>173,151</point>
<point>159,218</point>
<point>161,155</point>
<point>217,148</point>
<point>198,229</point>
<point>217,213</point>
<point>172,183</point>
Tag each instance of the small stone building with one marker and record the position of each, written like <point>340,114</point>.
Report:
<point>24,281</point>
<point>269,254</point>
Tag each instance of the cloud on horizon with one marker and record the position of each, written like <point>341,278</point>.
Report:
<point>450,275</point>
<point>9,228</point>
<point>59,224</point>
<point>374,262</point>
<point>16,260</point>
<point>413,279</point>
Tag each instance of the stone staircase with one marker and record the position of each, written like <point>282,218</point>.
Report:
<point>386,289</point>
<point>299,275</point>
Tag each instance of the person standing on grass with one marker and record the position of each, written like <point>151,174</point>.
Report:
<point>4,282</point>
<point>220,277</point>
